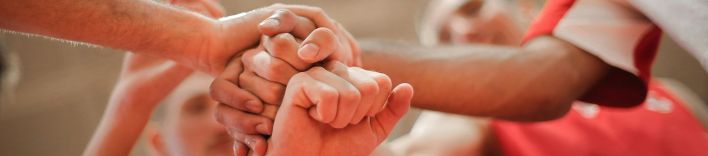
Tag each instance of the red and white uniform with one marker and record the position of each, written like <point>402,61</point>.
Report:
<point>624,34</point>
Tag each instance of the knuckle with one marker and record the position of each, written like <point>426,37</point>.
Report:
<point>298,77</point>
<point>368,88</point>
<point>383,81</point>
<point>329,95</point>
<point>274,93</point>
<point>277,65</point>
<point>316,69</point>
<point>351,95</point>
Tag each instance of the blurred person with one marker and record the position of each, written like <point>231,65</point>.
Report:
<point>547,76</point>
<point>186,125</point>
<point>187,130</point>
<point>597,128</point>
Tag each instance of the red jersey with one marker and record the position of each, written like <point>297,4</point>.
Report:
<point>623,37</point>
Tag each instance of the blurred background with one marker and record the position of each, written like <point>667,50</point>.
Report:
<point>63,87</point>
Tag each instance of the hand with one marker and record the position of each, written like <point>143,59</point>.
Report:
<point>277,70</point>
<point>144,75</point>
<point>297,133</point>
<point>236,33</point>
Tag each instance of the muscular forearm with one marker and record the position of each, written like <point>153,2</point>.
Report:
<point>536,82</point>
<point>142,26</point>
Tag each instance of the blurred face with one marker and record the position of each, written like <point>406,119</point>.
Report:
<point>190,128</point>
<point>478,21</point>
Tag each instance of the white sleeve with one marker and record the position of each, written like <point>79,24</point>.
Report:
<point>685,21</point>
<point>607,29</point>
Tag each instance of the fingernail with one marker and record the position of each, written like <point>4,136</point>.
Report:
<point>309,51</point>
<point>254,106</point>
<point>263,129</point>
<point>270,23</point>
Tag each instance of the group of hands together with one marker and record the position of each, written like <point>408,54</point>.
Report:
<point>298,89</point>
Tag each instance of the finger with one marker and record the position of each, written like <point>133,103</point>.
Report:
<point>384,83</point>
<point>240,149</point>
<point>320,44</point>
<point>320,98</point>
<point>349,95</point>
<point>269,111</point>
<point>224,89</point>
<point>369,89</point>
<point>284,46</point>
<point>353,45</point>
<point>236,121</point>
<point>256,143</point>
<point>229,94</point>
<point>266,91</point>
<point>268,67</point>
<point>285,21</point>
<point>399,104</point>
<point>315,14</point>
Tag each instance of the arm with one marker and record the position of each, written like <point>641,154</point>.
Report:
<point>535,82</point>
<point>114,23</point>
<point>144,82</point>
<point>141,26</point>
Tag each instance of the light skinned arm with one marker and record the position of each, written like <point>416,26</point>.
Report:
<point>142,26</point>
<point>143,83</point>
<point>535,82</point>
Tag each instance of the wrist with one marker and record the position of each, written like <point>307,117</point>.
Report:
<point>208,38</point>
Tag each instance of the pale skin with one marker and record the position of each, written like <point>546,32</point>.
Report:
<point>535,82</point>
<point>191,39</point>
<point>144,81</point>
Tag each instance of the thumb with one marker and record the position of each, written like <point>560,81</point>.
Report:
<point>319,45</point>
<point>398,105</point>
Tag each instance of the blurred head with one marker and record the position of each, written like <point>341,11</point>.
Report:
<point>9,74</point>
<point>474,21</point>
<point>186,124</point>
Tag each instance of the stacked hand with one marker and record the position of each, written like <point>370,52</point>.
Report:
<point>323,105</point>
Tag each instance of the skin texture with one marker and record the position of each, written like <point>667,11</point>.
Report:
<point>315,138</point>
<point>254,83</point>
<point>535,82</point>
<point>144,82</point>
<point>531,83</point>
<point>191,39</point>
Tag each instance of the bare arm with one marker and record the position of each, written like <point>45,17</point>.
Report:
<point>137,25</point>
<point>141,26</point>
<point>536,82</point>
<point>144,82</point>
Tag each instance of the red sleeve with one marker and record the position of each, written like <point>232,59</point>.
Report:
<point>613,32</point>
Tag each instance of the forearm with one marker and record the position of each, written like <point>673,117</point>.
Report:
<point>142,26</point>
<point>131,105</point>
<point>536,82</point>
<point>118,131</point>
